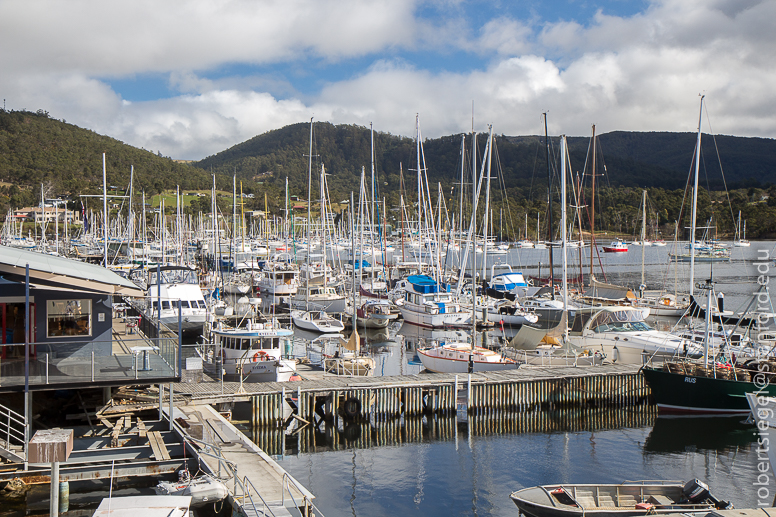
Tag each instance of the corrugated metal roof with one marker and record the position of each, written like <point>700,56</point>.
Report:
<point>63,272</point>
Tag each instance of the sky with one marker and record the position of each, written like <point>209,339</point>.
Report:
<point>192,78</point>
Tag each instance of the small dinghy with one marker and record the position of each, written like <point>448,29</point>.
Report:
<point>202,489</point>
<point>624,500</point>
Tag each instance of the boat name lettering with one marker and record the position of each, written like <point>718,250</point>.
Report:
<point>691,380</point>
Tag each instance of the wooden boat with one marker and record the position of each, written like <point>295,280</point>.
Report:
<point>626,499</point>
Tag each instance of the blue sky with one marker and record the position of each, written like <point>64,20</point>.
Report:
<point>192,78</point>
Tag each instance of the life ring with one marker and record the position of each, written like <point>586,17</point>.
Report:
<point>261,355</point>
<point>352,407</point>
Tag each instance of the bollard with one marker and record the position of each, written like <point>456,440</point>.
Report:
<point>64,496</point>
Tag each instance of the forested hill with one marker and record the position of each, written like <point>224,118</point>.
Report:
<point>36,149</point>
<point>631,159</point>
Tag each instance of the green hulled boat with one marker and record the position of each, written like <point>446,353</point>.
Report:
<point>689,388</point>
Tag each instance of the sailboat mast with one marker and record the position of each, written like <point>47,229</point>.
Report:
<point>549,204</point>
<point>309,203</point>
<point>563,236</point>
<point>643,238</point>
<point>592,211</point>
<point>695,204</point>
<point>487,207</point>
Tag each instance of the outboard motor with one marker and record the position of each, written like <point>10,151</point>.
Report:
<point>696,492</point>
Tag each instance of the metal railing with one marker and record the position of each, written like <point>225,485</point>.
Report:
<point>246,487</point>
<point>12,426</point>
<point>114,358</point>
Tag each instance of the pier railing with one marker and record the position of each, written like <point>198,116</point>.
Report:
<point>243,489</point>
<point>12,427</point>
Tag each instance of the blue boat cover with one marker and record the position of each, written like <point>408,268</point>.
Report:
<point>423,284</point>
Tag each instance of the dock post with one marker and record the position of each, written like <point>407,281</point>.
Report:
<point>169,416</point>
<point>54,497</point>
<point>161,401</point>
<point>469,395</point>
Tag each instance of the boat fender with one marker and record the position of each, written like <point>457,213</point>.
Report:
<point>615,354</point>
<point>352,407</point>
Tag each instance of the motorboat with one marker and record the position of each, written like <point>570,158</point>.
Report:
<point>375,314</point>
<point>622,335</point>
<point>617,246</point>
<point>428,303</point>
<point>321,297</point>
<point>166,286</point>
<point>506,312</point>
<point>316,321</point>
<point>252,353</point>
<point>610,500</point>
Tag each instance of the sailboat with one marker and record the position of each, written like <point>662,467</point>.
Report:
<point>740,239</point>
<point>461,357</point>
<point>427,300</point>
<point>717,384</point>
<point>350,361</point>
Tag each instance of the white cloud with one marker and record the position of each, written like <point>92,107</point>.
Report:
<point>641,72</point>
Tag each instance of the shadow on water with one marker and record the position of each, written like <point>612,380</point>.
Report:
<point>689,434</point>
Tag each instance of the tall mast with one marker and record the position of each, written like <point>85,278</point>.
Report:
<point>695,204</point>
<point>105,212</point>
<point>309,202</point>
<point>549,202</point>
<point>643,238</point>
<point>592,211</point>
<point>563,236</point>
<point>487,208</point>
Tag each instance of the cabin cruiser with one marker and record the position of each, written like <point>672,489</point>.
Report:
<point>252,353</point>
<point>428,303</point>
<point>279,278</point>
<point>320,297</point>
<point>166,286</point>
<point>621,334</point>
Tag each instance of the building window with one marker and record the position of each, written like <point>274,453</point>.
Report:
<point>67,318</point>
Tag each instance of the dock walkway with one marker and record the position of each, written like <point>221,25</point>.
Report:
<point>255,480</point>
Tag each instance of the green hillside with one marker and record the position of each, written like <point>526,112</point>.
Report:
<point>36,149</point>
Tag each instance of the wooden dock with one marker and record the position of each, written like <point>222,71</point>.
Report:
<point>257,484</point>
<point>381,398</point>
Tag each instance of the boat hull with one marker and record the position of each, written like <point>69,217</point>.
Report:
<point>678,393</point>
<point>428,320</point>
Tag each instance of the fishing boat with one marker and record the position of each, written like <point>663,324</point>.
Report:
<point>627,499</point>
<point>684,387</point>
<point>252,353</point>
<point>463,358</point>
<point>166,286</point>
<point>617,246</point>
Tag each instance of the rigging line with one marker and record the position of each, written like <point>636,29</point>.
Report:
<point>719,160</point>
